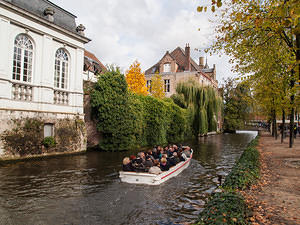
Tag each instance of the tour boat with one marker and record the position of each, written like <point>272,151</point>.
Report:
<point>153,179</point>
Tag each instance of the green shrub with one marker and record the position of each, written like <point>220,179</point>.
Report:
<point>246,170</point>
<point>179,100</point>
<point>156,118</point>
<point>177,125</point>
<point>111,104</point>
<point>224,208</point>
<point>49,142</point>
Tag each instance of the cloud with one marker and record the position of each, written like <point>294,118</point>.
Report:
<point>143,30</point>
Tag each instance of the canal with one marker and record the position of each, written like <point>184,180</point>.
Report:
<point>85,189</point>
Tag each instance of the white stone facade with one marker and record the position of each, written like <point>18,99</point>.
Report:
<point>39,94</point>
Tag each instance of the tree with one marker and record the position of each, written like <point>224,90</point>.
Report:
<point>203,104</point>
<point>250,31</point>
<point>236,106</point>
<point>157,86</point>
<point>111,104</point>
<point>136,79</point>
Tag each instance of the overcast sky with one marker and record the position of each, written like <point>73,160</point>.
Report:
<point>126,30</point>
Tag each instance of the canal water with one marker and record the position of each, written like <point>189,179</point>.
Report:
<point>85,189</point>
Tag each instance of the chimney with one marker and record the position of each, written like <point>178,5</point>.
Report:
<point>188,58</point>
<point>214,72</point>
<point>201,62</point>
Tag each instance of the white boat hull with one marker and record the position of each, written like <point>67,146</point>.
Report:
<point>152,179</point>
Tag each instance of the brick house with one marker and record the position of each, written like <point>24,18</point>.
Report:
<point>178,66</point>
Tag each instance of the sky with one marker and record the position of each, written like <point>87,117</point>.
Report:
<point>123,31</point>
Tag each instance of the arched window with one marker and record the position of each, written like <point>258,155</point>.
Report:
<point>22,63</point>
<point>61,69</point>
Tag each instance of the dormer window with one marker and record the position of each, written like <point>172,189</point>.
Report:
<point>167,67</point>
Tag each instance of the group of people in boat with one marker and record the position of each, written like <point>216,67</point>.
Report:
<point>157,160</point>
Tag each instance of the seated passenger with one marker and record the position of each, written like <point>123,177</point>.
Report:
<point>155,168</point>
<point>138,164</point>
<point>175,147</point>
<point>127,164</point>
<point>181,158</point>
<point>155,153</point>
<point>150,154</point>
<point>164,156</point>
<point>187,152</point>
<point>148,162</point>
<point>141,157</point>
<point>173,160</point>
<point>170,151</point>
<point>164,165</point>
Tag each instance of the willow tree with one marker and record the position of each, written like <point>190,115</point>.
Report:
<point>204,105</point>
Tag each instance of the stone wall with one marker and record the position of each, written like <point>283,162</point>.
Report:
<point>93,136</point>
<point>23,132</point>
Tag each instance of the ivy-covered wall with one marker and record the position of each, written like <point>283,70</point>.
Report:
<point>23,135</point>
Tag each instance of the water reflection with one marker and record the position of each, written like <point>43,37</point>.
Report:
<point>85,189</point>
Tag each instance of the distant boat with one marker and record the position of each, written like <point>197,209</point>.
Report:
<point>153,179</point>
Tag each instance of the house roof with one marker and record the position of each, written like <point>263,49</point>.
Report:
<point>179,56</point>
<point>92,63</point>
<point>62,17</point>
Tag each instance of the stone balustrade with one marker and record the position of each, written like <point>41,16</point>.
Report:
<point>21,92</point>
<point>61,97</point>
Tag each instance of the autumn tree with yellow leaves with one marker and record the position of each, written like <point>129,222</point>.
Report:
<point>157,86</point>
<point>136,79</point>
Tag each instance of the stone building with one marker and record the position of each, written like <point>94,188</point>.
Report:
<point>41,69</point>
<point>178,66</point>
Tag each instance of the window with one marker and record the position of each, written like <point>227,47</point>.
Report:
<point>61,69</point>
<point>22,62</point>
<point>167,68</point>
<point>149,85</point>
<point>48,130</point>
<point>167,85</point>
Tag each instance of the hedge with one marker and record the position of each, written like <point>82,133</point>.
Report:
<point>228,207</point>
<point>127,120</point>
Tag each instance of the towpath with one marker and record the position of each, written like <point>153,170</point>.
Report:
<point>276,197</point>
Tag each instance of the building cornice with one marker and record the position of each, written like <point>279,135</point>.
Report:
<point>41,21</point>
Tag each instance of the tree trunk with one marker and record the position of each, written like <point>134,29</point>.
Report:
<point>283,126</point>
<point>292,84</point>
<point>298,51</point>
<point>292,127</point>
<point>275,124</point>
<point>295,132</point>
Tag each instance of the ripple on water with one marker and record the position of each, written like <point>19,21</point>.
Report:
<point>85,189</point>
